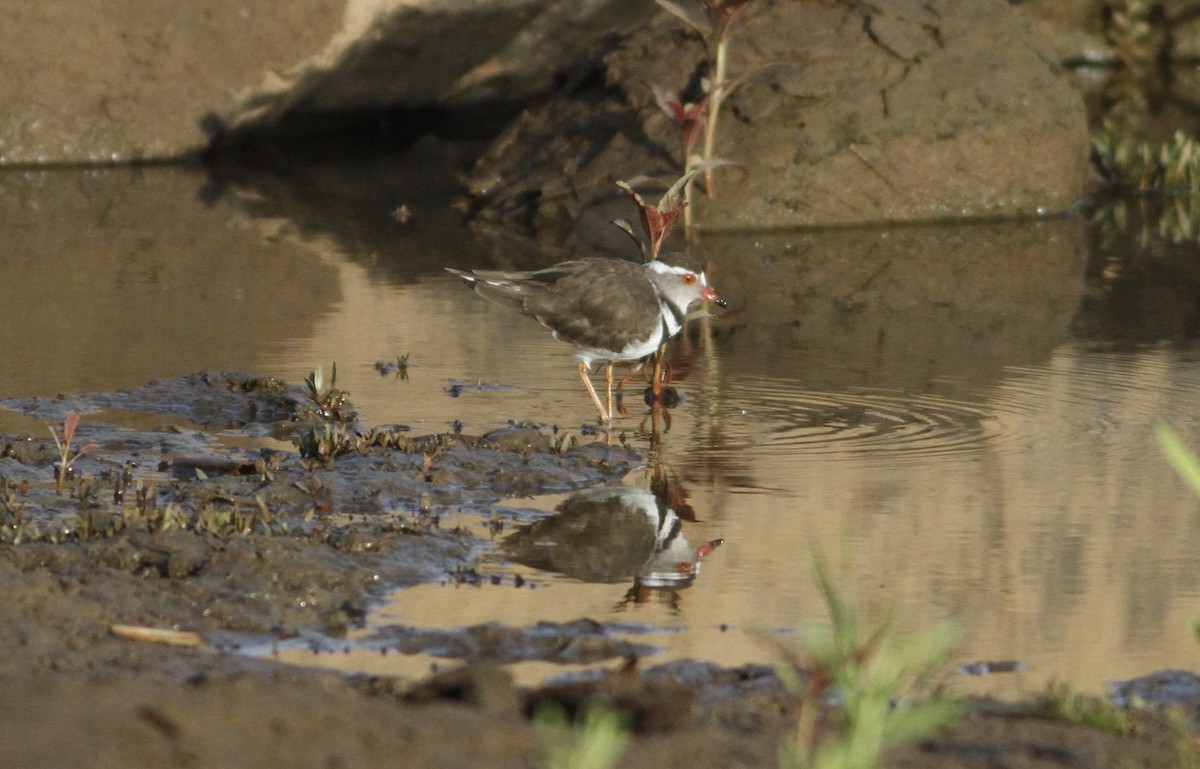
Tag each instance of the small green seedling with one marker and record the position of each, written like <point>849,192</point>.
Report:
<point>327,401</point>
<point>595,740</point>
<point>850,686</point>
<point>1179,456</point>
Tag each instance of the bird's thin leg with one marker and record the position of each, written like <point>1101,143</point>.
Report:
<point>608,385</point>
<point>656,378</point>
<point>583,374</point>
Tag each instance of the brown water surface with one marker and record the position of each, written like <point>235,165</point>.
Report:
<point>958,419</point>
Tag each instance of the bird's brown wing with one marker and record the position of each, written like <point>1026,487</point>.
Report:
<point>606,304</point>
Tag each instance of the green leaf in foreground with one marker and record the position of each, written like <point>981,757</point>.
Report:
<point>1180,456</point>
<point>595,741</point>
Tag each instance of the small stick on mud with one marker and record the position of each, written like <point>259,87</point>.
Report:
<point>157,635</point>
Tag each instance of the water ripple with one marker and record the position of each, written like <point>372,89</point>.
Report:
<point>861,421</point>
<point>1077,397</point>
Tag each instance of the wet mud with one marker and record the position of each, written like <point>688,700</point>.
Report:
<point>245,510</point>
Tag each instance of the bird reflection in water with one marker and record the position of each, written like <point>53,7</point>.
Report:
<point>614,534</point>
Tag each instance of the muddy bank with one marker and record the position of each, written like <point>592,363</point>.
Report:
<point>207,519</point>
<point>219,504</point>
<point>841,113</point>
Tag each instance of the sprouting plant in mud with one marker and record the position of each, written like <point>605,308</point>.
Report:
<point>326,443</point>
<point>1060,701</point>
<point>848,684</point>
<point>399,368</point>
<point>11,498</point>
<point>328,402</point>
<point>595,740</point>
<point>65,456</point>
<point>123,481</point>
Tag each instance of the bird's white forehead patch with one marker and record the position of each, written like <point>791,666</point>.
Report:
<point>663,268</point>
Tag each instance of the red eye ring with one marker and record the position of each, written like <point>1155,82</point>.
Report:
<point>688,279</point>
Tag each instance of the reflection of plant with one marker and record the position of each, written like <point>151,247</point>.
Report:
<point>65,457</point>
<point>399,368</point>
<point>1148,220</point>
<point>595,741</point>
<point>864,677</point>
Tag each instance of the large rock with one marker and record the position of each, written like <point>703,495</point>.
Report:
<point>848,113</point>
<point>127,80</point>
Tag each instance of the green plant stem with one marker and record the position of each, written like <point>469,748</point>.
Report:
<point>687,203</point>
<point>714,110</point>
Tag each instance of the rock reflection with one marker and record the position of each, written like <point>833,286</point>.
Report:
<point>613,534</point>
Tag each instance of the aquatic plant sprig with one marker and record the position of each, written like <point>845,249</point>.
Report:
<point>864,676</point>
<point>688,120</point>
<point>657,219</point>
<point>1060,701</point>
<point>11,500</point>
<point>722,14</point>
<point>595,740</point>
<point>1171,169</point>
<point>63,444</point>
<point>328,402</point>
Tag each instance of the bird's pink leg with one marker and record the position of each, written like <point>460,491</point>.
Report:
<point>608,384</point>
<point>583,374</point>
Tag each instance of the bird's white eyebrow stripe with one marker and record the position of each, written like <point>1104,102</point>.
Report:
<point>663,268</point>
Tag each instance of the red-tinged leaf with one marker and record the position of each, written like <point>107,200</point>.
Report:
<point>725,12</point>
<point>668,103</point>
<point>687,118</point>
<point>70,422</point>
<point>689,136</point>
<point>652,220</point>
<point>630,192</point>
<point>669,217</point>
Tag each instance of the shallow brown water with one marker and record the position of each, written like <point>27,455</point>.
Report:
<point>958,419</point>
